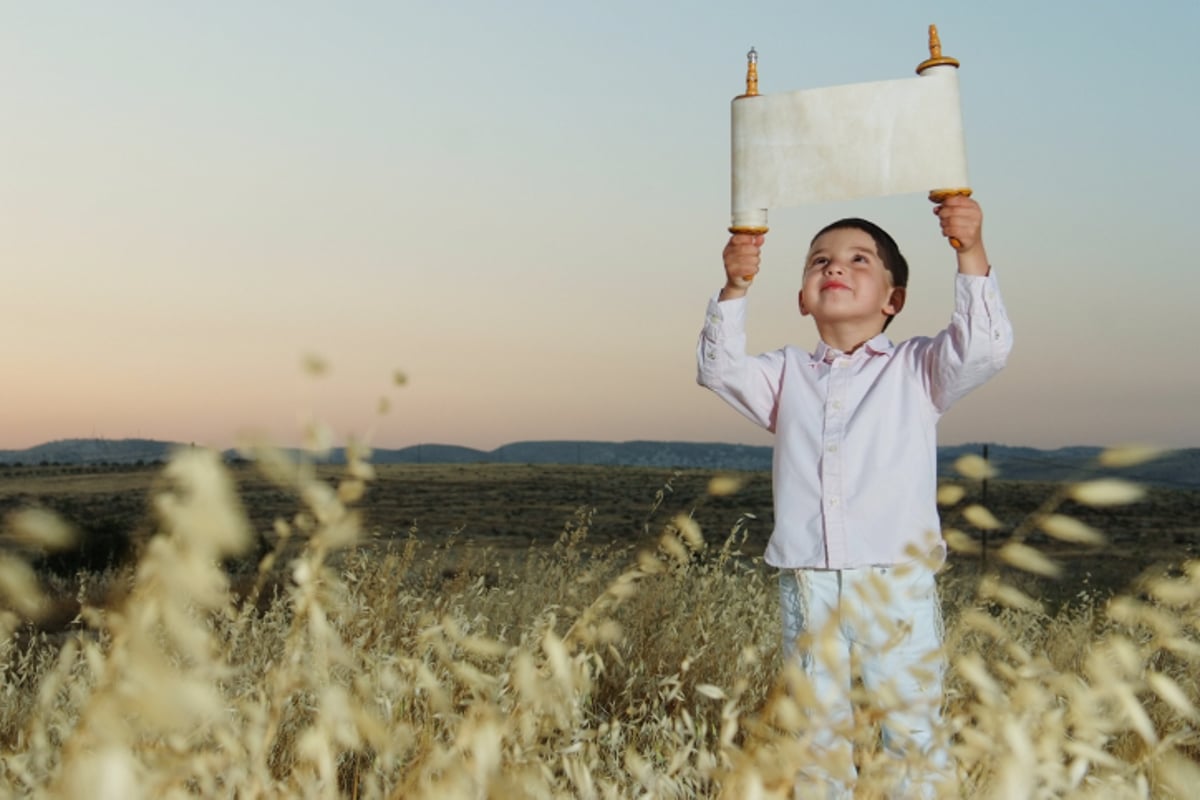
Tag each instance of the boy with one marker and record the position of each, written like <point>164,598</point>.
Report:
<point>854,469</point>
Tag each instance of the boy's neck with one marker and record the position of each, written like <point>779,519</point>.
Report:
<point>847,337</point>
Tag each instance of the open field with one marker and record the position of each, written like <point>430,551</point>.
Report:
<point>507,506</point>
<point>509,631</point>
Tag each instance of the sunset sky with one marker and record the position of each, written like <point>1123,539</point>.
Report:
<point>522,207</point>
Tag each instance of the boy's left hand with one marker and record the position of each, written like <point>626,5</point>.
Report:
<point>961,219</point>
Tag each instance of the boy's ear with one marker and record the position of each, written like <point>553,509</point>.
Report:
<point>800,302</point>
<point>895,301</point>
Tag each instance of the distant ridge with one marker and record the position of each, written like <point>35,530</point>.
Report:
<point>624,454</point>
<point>1179,469</point>
<point>91,451</point>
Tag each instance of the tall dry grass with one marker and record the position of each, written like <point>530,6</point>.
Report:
<point>366,666</point>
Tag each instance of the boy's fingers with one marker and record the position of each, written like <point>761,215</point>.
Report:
<point>743,252</point>
<point>742,255</point>
<point>961,220</point>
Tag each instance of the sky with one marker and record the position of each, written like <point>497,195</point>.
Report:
<point>521,207</point>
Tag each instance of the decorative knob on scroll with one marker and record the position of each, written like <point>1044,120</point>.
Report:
<point>751,73</point>
<point>936,59</point>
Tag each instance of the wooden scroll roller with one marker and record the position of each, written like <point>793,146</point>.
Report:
<point>935,60</point>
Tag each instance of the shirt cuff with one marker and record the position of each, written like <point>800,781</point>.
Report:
<point>974,291</point>
<point>724,317</point>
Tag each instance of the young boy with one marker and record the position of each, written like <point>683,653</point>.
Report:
<point>854,470</point>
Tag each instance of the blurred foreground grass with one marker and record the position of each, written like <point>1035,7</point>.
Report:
<point>352,665</point>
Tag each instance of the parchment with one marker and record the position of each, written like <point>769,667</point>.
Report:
<point>843,142</point>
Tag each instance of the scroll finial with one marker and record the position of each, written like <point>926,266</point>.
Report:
<point>936,59</point>
<point>751,73</point>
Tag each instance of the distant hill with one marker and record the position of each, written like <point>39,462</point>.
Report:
<point>628,454</point>
<point>91,451</point>
<point>1179,469</point>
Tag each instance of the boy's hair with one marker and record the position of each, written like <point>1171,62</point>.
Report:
<point>889,251</point>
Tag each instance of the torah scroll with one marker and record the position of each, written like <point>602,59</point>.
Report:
<point>844,142</point>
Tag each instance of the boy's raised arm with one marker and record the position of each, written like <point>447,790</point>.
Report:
<point>962,219</point>
<point>742,256</point>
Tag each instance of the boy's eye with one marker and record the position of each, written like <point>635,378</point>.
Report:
<point>860,258</point>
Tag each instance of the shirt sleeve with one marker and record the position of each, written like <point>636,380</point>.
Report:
<point>749,384</point>
<point>973,348</point>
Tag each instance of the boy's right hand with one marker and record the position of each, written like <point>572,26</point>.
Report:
<point>742,255</point>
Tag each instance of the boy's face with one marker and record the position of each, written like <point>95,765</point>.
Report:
<point>845,281</point>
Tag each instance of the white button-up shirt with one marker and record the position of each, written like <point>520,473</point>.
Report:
<point>855,462</point>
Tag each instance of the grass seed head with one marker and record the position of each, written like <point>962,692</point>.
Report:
<point>1173,695</point>
<point>991,588</point>
<point>689,531</point>
<point>108,773</point>
<point>725,485</point>
<point>981,518</point>
<point>1130,455</point>
<point>1029,559</point>
<point>974,467</point>
<point>1069,529</point>
<point>673,547</point>
<point>1107,492</point>
<point>314,365</point>
<point>949,494</point>
<point>351,491</point>
<point>39,528</point>
<point>960,542</point>
<point>202,508</point>
<point>1178,593</point>
<point>650,563</point>
<point>984,623</point>
<point>1178,773</point>
<point>19,588</point>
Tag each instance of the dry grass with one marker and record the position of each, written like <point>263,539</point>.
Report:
<point>356,667</point>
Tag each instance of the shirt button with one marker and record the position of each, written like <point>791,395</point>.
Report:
<point>837,405</point>
<point>833,501</point>
<point>997,336</point>
<point>833,448</point>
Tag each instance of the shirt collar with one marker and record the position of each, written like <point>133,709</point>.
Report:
<point>879,345</point>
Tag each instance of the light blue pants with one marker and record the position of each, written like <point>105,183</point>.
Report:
<point>889,619</point>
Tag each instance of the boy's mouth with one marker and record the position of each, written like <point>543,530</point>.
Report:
<point>834,285</point>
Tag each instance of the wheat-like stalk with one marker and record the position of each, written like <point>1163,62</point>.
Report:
<point>385,667</point>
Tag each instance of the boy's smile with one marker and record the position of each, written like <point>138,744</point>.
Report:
<point>847,289</point>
